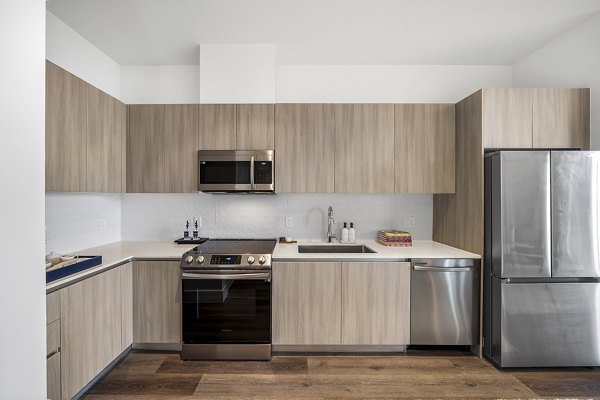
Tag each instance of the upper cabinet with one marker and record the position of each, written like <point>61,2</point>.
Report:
<point>161,148</point>
<point>66,136</point>
<point>217,127</point>
<point>535,118</point>
<point>364,148</point>
<point>424,148</point>
<point>255,126</point>
<point>507,116</point>
<point>304,148</point>
<point>85,135</point>
<point>561,118</point>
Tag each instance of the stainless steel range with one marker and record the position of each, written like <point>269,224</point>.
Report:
<point>226,300</point>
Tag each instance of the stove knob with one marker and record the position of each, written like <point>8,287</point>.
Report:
<point>189,259</point>
<point>250,260</point>
<point>261,259</point>
<point>200,259</point>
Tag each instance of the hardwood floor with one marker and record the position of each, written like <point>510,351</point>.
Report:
<point>441,375</point>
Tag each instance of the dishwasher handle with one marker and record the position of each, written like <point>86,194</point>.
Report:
<point>417,267</point>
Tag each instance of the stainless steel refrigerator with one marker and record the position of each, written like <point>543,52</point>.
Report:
<point>542,258</point>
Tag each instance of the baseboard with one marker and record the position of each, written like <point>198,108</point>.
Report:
<point>336,348</point>
<point>102,374</point>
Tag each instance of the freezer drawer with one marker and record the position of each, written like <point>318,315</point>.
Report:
<point>444,302</point>
<point>547,325</point>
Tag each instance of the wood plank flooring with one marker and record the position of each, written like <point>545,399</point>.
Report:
<point>440,375</point>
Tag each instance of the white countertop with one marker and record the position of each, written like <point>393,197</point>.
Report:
<point>122,252</point>
<point>117,253</point>
<point>419,249</point>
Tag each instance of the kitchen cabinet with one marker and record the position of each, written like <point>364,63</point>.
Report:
<point>424,148</point>
<point>126,272</point>
<point>304,148</point>
<point>217,127</point>
<point>146,149</point>
<point>53,345</point>
<point>376,303</point>
<point>306,303</point>
<point>561,118</point>
<point>53,391</point>
<point>255,127</point>
<point>66,137</point>
<point>507,116</point>
<point>181,148</point>
<point>90,329</point>
<point>364,148</point>
<point>156,302</point>
<point>105,140</point>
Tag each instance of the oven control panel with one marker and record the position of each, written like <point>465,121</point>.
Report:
<point>225,259</point>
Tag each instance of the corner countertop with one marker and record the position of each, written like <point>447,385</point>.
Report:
<point>419,249</point>
<point>117,253</point>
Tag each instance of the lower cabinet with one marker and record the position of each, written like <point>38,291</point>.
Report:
<point>156,302</point>
<point>53,377</point>
<point>316,303</point>
<point>306,303</point>
<point>53,346</point>
<point>126,305</point>
<point>376,303</point>
<point>90,329</point>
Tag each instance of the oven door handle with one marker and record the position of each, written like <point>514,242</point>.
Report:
<point>240,277</point>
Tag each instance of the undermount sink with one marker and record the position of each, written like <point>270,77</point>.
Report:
<point>334,248</point>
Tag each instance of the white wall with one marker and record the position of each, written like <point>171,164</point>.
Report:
<point>162,84</point>
<point>77,221</point>
<point>72,219</point>
<point>71,51</point>
<point>22,296</point>
<point>163,216</point>
<point>571,60</point>
<point>386,83</point>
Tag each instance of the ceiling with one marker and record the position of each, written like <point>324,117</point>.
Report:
<point>151,32</point>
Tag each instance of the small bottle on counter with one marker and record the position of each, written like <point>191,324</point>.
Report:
<point>344,234</point>
<point>352,233</point>
<point>195,233</point>
<point>186,232</point>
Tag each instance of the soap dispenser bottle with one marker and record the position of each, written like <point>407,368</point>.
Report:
<point>352,233</point>
<point>345,233</point>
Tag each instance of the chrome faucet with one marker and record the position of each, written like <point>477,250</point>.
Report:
<point>330,225</point>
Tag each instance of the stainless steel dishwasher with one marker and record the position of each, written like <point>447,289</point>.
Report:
<point>444,302</point>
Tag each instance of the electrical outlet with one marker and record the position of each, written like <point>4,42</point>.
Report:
<point>289,222</point>
<point>409,222</point>
<point>101,224</point>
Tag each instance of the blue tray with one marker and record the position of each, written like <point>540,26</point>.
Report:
<point>89,262</point>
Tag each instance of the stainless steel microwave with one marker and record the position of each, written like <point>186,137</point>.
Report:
<point>232,171</point>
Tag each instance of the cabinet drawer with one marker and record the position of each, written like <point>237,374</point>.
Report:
<point>52,306</point>
<point>53,337</point>
<point>53,375</point>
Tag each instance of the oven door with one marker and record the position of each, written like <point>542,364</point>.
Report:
<point>228,308</point>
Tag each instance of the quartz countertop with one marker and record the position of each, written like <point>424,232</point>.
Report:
<point>419,249</point>
<point>117,253</point>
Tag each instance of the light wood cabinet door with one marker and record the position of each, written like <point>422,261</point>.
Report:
<point>364,148</point>
<point>52,306</point>
<point>66,137</point>
<point>304,148</point>
<point>146,149</point>
<point>126,272</point>
<point>53,377</point>
<point>507,118</point>
<point>561,118</point>
<point>376,303</point>
<point>90,329</point>
<point>424,148</point>
<point>181,148</point>
<point>306,303</point>
<point>217,127</point>
<point>255,127</point>
<point>105,142</point>
<point>156,302</point>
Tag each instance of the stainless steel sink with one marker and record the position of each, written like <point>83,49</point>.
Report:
<point>334,248</point>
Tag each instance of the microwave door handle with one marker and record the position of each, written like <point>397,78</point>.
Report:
<point>252,173</point>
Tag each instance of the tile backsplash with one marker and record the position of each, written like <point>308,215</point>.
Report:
<point>163,216</point>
